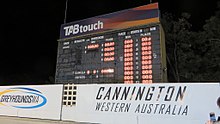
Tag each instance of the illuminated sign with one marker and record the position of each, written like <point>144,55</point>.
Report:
<point>123,19</point>
<point>130,43</point>
<point>75,29</point>
<point>23,98</point>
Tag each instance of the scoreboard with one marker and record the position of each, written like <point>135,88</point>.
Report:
<point>122,47</point>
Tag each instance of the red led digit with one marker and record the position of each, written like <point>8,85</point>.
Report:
<point>128,63</point>
<point>146,52</point>
<point>128,54</point>
<point>109,49</point>
<point>147,81</point>
<point>109,53</point>
<point>128,50</point>
<point>144,81</point>
<point>146,62</point>
<point>109,44</point>
<point>88,72</point>
<point>128,41</point>
<point>128,59</point>
<point>128,68</point>
<point>128,73</point>
<point>147,43</point>
<point>145,77</point>
<point>146,71</point>
<point>128,82</point>
<point>146,57</point>
<point>106,59</point>
<point>128,77</point>
<point>93,46</point>
<point>146,39</point>
<point>150,77</point>
<point>146,48</point>
<point>147,67</point>
<point>107,71</point>
<point>128,46</point>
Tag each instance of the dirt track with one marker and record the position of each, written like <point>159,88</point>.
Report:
<point>15,120</point>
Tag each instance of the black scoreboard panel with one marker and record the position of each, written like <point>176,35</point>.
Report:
<point>132,55</point>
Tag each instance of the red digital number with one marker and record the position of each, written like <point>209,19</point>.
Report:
<point>146,52</point>
<point>148,43</point>
<point>128,54</point>
<point>128,68</point>
<point>128,72</point>
<point>146,57</point>
<point>128,41</point>
<point>128,77</point>
<point>107,59</point>
<point>147,67</point>
<point>109,54</point>
<point>128,59</point>
<point>146,48</point>
<point>93,46</point>
<point>109,44</point>
<point>147,81</point>
<point>128,46</point>
<point>146,72</point>
<point>146,62</point>
<point>146,76</point>
<point>107,71</point>
<point>109,49</point>
<point>146,39</point>
<point>128,50</point>
<point>128,63</point>
<point>128,82</point>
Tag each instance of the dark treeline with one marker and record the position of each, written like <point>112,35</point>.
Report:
<point>192,56</point>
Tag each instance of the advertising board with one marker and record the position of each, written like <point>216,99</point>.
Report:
<point>123,19</point>
<point>138,103</point>
<point>33,101</point>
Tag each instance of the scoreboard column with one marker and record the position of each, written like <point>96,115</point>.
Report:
<point>141,53</point>
<point>146,60</point>
<point>128,61</point>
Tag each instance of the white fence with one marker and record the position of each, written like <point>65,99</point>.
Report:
<point>114,103</point>
<point>141,103</point>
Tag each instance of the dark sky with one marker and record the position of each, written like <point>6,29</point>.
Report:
<point>31,29</point>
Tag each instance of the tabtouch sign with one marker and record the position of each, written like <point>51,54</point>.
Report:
<point>118,20</point>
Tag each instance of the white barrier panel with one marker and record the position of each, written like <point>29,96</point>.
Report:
<point>32,101</point>
<point>140,103</point>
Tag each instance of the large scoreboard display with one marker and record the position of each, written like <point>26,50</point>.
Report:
<point>123,47</point>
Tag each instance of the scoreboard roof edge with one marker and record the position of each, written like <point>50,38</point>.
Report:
<point>133,17</point>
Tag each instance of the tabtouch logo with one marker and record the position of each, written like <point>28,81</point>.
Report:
<point>75,29</point>
<point>22,97</point>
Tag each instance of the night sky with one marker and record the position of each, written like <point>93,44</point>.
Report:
<point>31,29</point>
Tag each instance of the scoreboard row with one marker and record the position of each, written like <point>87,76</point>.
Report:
<point>131,55</point>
